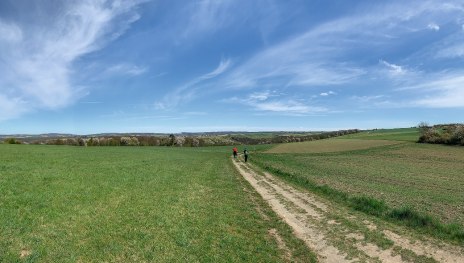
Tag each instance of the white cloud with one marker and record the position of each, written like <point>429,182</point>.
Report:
<point>327,54</point>
<point>223,66</point>
<point>260,96</point>
<point>11,107</point>
<point>321,55</point>
<point>206,16</point>
<point>188,91</point>
<point>445,90</point>
<point>198,19</point>
<point>452,51</point>
<point>10,33</point>
<point>36,62</point>
<point>271,102</point>
<point>368,98</point>
<point>392,68</point>
<point>433,26</point>
<point>126,69</point>
<point>325,94</point>
<point>288,106</point>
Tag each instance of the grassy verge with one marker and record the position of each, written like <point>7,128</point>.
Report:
<point>131,204</point>
<point>305,170</point>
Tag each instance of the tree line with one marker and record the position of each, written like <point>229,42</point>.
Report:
<point>181,140</point>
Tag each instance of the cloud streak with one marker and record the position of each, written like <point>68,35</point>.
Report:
<point>327,55</point>
<point>445,90</point>
<point>392,68</point>
<point>126,69</point>
<point>321,55</point>
<point>271,102</point>
<point>189,90</point>
<point>36,64</point>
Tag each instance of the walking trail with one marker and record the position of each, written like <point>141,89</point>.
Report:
<point>337,234</point>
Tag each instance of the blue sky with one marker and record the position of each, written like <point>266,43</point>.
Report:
<point>95,66</point>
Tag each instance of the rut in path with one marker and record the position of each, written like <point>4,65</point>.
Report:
<point>311,219</point>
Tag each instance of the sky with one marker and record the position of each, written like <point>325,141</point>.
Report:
<point>94,66</point>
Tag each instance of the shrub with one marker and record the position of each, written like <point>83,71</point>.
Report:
<point>452,134</point>
<point>179,141</point>
<point>114,141</point>
<point>368,205</point>
<point>12,141</point>
<point>81,142</point>
<point>129,141</point>
<point>431,136</point>
<point>93,142</point>
<point>72,141</point>
<point>172,140</point>
<point>412,218</point>
<point>458,135</point>
<point>196,142</point>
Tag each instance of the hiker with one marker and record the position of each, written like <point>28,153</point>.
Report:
<point>235,150</point>
<point>245,154</point>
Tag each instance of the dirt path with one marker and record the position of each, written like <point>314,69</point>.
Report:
<point>338,235</point>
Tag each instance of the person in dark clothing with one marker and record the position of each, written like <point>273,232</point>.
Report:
<point>245,154</point>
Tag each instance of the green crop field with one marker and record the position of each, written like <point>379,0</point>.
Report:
<point>137,204</point>
<point>403,134</point>
<point>426,178</point>
<point>329,145</point>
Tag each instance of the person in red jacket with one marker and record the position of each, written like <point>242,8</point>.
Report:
<point>235,150</point>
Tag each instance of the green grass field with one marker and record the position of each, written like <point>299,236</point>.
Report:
<point>132,204</point>
<point>427,178</point>
<point>402,134</point>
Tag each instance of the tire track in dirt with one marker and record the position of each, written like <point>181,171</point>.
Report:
<point>308,234</point>
<point>309,217</point>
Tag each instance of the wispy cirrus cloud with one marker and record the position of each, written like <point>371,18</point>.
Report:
<point>392,68</point>
<point>197,19</point>
<point>206,16</point>
<point>10,33</point>
<point>327,54</point>
<point>126,69</point>
<point>12,107</point>
<point>272,102</point>
<point>441,90</point>
<point>189,90</point>
<point>36,62</point>
<point>322,54</point>
<point>452,51</point>
<point>288,107</point>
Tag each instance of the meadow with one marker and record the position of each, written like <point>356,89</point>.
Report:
<point>133,204</point>
<point>403,175</point>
